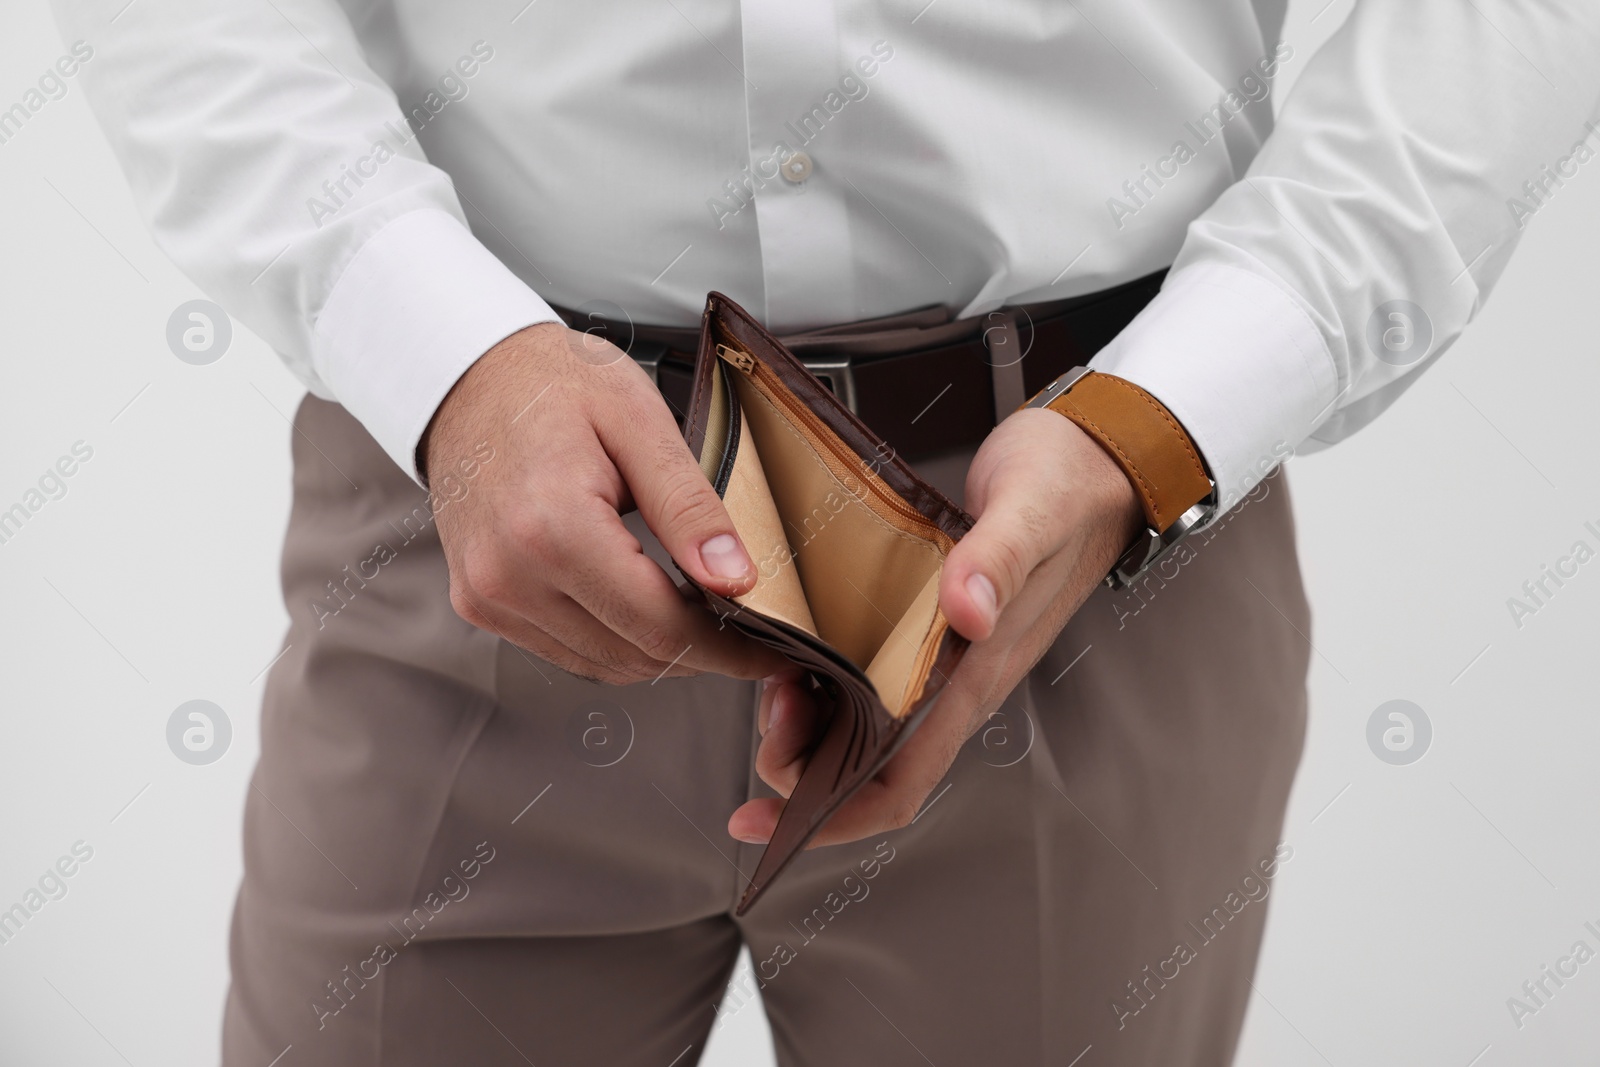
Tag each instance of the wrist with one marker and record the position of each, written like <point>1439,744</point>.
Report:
<point>1155,456</point>
<point>488,380</point>
<point>1123,511</point>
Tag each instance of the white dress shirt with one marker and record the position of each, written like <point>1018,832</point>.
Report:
<point>384,189</point>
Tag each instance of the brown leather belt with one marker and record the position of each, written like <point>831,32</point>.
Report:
<point>924,382</point>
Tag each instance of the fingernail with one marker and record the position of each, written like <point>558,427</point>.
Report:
<point>981,590</point>
<point>750,839</point>
<point>788,674</point>
<point>775,713</point>
<point>724,557</point>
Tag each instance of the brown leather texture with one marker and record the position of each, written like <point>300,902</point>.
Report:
<point>863,729</point>
<point>927,382</point>
<point>1147,442</point>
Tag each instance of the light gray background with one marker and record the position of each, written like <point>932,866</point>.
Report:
<point>1418,900</point>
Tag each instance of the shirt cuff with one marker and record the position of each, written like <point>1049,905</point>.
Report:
<point>1238,361</point>
<point>417,306</point>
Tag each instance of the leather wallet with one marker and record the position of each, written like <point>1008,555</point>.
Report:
<point>848,545</point>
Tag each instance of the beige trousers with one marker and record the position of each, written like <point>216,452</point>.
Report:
<point>456,853</point>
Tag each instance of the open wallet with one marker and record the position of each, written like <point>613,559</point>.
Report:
<point>848,545</point>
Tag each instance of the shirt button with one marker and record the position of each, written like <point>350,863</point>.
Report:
<point>796,169</point>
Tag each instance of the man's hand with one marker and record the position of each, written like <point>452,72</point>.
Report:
<point>1054,513</point>
<point>536,547</point>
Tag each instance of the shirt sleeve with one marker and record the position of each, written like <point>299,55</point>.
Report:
<point>1368,231</point>
<point>275,168</point>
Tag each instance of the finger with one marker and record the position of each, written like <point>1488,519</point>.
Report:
<point>608,597</point>
<point>895,796</point>
<point>988,567</point>
<point>794,724</point>
<point>635,599</point>
<point>873,810</point>
<point>892,798</point>
<point>673,496</point>
<point>753,821</point>
<point>567,621</point>
<point>769,688</point>
<point>512,628</point>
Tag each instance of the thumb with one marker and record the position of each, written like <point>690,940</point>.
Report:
<point>987,568</point>
<point>675,499</point>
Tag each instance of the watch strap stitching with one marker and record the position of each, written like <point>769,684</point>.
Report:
<point>1158,516</point>
<point>1146,490</point>
<point>1161,410</point>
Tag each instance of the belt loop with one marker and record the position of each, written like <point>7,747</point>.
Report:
<point>1003,343</point>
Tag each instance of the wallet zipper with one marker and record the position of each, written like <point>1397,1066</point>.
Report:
<point>822,439</point>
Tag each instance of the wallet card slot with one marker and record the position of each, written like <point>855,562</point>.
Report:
<point>847,467</point>
<point>871,585</point>
<point>722,431</point>
<point>730,439</point>
<point>738,476</point>
<point>909,650</point>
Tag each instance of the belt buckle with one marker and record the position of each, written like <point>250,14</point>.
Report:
<point>838,372</point>
<point>840,375</point>
<point>649,354</point>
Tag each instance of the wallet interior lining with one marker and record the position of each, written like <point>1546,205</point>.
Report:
<point>834,556</point>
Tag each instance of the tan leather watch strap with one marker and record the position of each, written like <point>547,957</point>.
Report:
<point>1150,446</point>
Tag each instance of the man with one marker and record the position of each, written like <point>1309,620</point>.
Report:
<point>458,847</point>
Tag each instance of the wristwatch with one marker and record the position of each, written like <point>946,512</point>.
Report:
<point>1153,450</point>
